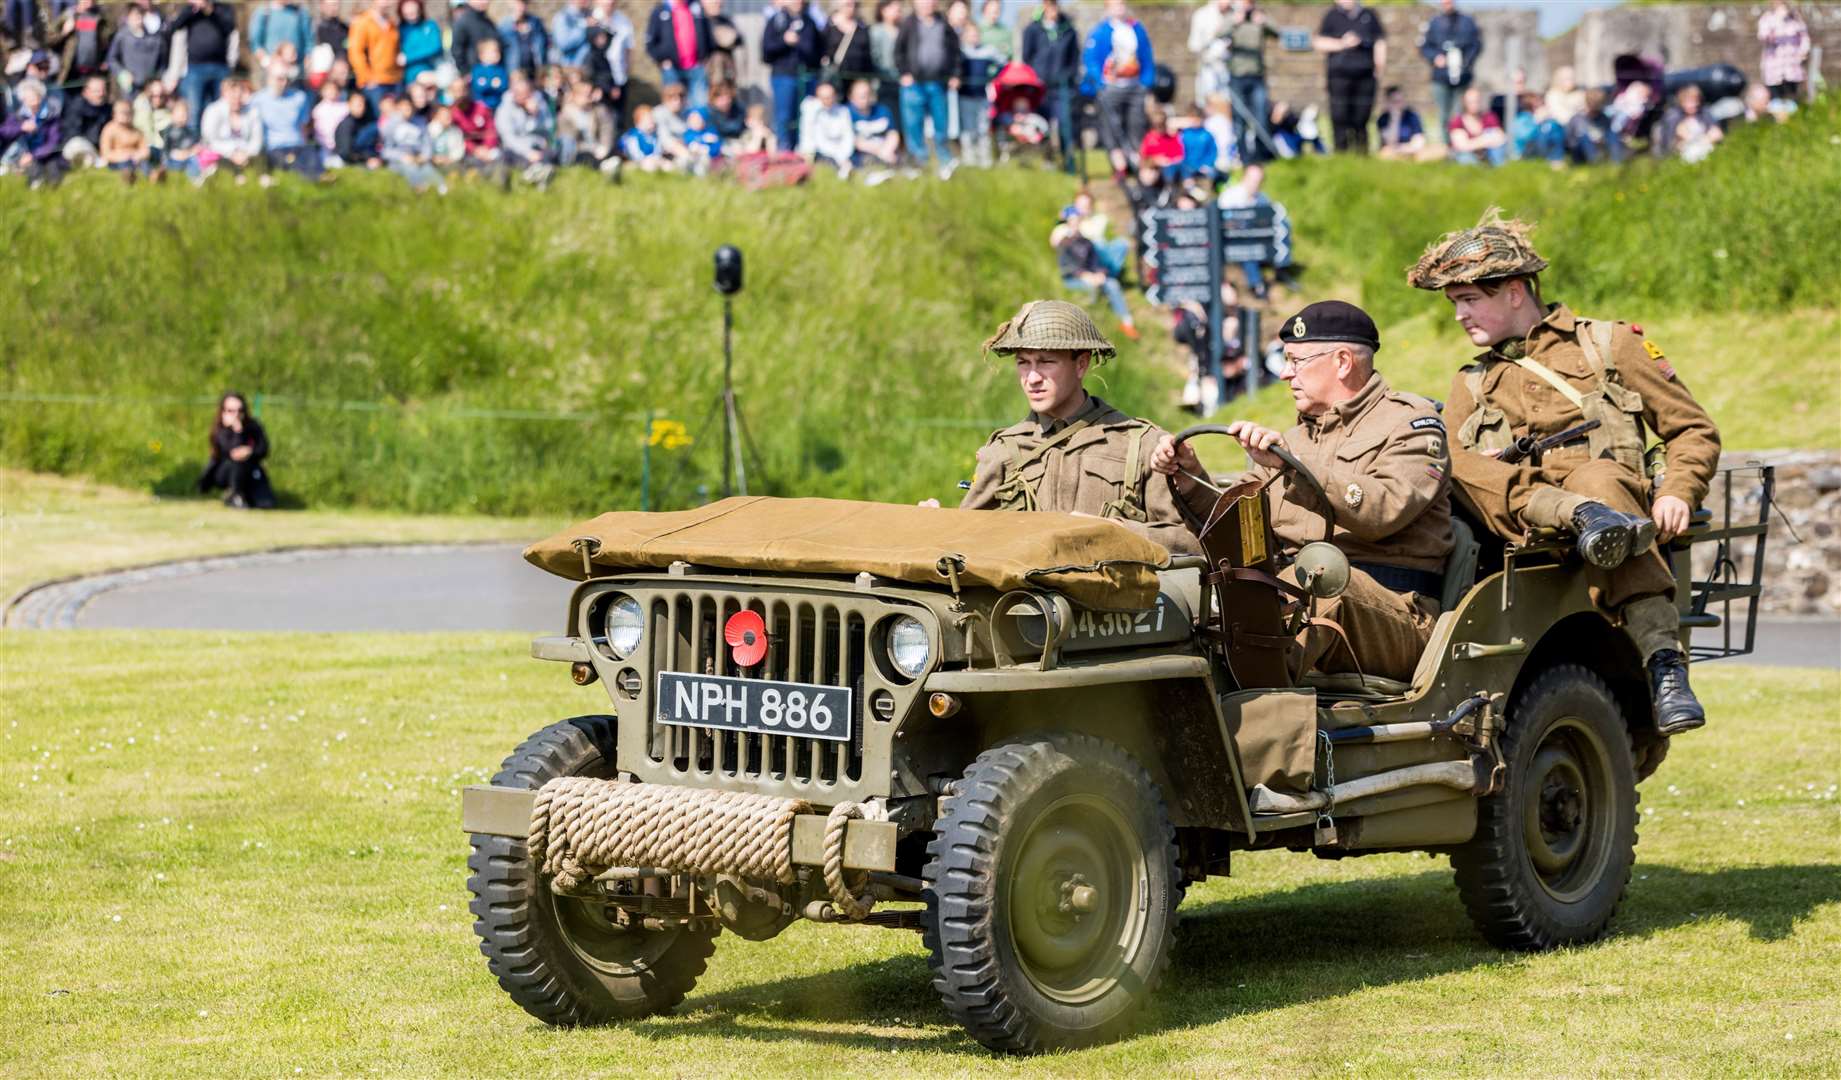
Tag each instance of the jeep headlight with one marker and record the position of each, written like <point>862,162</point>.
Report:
<point>626,624</point>
<point>909,649</point>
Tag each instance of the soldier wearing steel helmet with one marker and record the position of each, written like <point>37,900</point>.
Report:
<point>1073,453</point>
<point>1547,371</point>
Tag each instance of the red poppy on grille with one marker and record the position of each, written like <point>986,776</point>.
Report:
<point>747,637</point>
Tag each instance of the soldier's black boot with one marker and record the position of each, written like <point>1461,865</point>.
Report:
<point>1607,537</point>
<point>1677,709</point>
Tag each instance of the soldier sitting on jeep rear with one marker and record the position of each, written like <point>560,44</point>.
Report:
<point>1381,457</point>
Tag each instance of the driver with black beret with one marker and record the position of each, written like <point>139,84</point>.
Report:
<point>1381,457</point>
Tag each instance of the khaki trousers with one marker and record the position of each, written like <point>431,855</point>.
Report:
<point>1388,630</point>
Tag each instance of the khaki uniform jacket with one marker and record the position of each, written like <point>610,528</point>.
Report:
<point>1382,457</point>
<point>1084,473</point>
<point>1519,402</point>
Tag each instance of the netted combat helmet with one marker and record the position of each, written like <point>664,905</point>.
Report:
<point>1494,249</point>
<point>1049,324</point>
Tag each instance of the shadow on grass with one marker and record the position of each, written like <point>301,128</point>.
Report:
<point>1255,953</point>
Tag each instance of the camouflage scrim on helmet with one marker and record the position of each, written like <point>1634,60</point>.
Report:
<point>1496,248</point>
<point>1049,324</point>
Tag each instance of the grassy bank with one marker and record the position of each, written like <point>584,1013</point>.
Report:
<point>252,865</point>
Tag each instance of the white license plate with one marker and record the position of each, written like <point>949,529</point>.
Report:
<point>757,706</point>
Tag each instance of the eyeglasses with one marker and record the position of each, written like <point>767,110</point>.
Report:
<point>1294,363</point>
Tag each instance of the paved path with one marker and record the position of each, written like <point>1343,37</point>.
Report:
<point>469,587</point>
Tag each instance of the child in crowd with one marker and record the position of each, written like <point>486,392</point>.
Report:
<point>357,140</point>
<point>489,76</point>
<point>153,114</point>
<point>408,150</point>
<point>1021,124</point>
<point>474,122</point>
<point>1199,149</point>
<point>328,113</point>
<point>826,132</point>
<point>586,131</point>
<point>640,144</point>
<point>447,148</point>
<point>668,116</point>
<point>757,133</point>
<point>873,130</point>
<point>727,116</point>
<point>124,148</point>
<point>1628,108</point>
<point>179,144</point>
<point>978,64</point>
<point>1161,142</point>
<point>1219,122</point>
<point>702,142</point>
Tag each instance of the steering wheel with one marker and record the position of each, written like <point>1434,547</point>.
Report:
<point>1297,469</point>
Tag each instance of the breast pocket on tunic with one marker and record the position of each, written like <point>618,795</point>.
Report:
<point>1100,480</point>
<point>1485,429</point>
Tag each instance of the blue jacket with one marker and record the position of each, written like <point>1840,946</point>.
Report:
<point>421,47</point>
<point>1199,152</point>
<point>276,23</point>
<point>569,36</point>
<point>1099,50</point>
<point>784,59</point>
<point>636,145</point>
<point>1456,29</point>
<point>526,47</point>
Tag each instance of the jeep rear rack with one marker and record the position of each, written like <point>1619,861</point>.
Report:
<point>1724,585</point>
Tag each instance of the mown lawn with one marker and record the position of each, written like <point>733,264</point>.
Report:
<point>240,855</point>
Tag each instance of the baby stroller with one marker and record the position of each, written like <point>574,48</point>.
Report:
<point>1022,125</point>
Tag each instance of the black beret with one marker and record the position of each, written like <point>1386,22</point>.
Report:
<point>1331,320</point>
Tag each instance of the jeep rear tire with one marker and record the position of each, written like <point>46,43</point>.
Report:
<point>1051,894</point>
<point>1553,849</point>
<point>564,960</point>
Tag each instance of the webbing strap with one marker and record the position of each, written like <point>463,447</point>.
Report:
<point>1565,388</point>
<point>1015,484</point>
<point>1128,505</point>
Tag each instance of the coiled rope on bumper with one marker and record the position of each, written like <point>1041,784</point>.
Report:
<point>852,904</point>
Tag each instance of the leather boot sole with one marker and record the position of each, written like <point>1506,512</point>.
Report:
<point>1608,547</point>
<point>1681,724</point>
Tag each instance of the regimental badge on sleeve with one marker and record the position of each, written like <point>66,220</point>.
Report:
<point>1655,353</point>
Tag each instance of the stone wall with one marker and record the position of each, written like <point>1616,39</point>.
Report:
<point>1690,35</point>
<point>1801,577</point>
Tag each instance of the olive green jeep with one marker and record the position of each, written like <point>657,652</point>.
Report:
<point>1024,735</point>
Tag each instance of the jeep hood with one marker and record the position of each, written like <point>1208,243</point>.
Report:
<point>1094,562</point>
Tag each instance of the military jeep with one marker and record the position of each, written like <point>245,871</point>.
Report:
<point>1024,735</point>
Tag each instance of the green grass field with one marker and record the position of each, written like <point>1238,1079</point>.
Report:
<point>240,856</point>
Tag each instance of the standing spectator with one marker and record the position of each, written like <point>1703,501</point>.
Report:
<point>210,31</point>
<point>978,64</point>
<point>725,39</point>
<point>33,136</point>
<point>882,39</point>
<point>137,54</point>
<point>230,130</point>
<point>374,48</point>
<point>284,112</point>
<point>927,54</point>
<point>330,29</point>
<point>84,119</point>
<point>873,130</point>
<point>153,114</point>
<point>1475,134</point>
<point>1355,47</point>
<point>275,23</point>
<point>1401,132</point>
<point>1786,48</point>
<point>1248,30</point>
<point>358,141</point>
<point>418,40</point>
<point>993,32</point>
<point>238,448</point>
<point>471,28</point>
<point>678,41</point>
<point>1208,41</point>
<point>527,130</point>
<point>1078,261</point>
<point>826,133</point>
<point>525,42</point>
<point>790,47</point>
<point>20,23</point>
<point>1590,134</point>
<point>1119,71</point>
<point>473,120</point>
<point>83,36</point>
<point>847,55</point>
<point>1450,43</point>
<point>1564,99</point>
<point>617,52</point>
<point>1051,46</point>
<point>489,77</point>
<point>569,34</point>
<point>124,147</point>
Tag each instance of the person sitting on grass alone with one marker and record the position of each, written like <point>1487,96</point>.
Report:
<point>238,448</point>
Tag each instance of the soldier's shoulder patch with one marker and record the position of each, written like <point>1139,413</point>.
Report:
<point>1428,423</point>
<point>1655,353</point>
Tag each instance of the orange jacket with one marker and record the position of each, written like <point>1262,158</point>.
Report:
<point>372,49</point>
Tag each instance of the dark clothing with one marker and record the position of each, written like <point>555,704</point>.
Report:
<point>141,57</point>
<point>1365,24</point>
<point>848,58</point>
<point>86,47</point>
<point>731,124</point>
<point>332,32</point>
<point>1077,256</point>
<point>207,35</point>
<point>247,479</point>
<point>85,121</point>
<point>911,56</point>
<point>784,59</point>
<point>1402,133</point>
<point>1457,39</point>
<point>1053,50</point>
<point>470,28</point>
<point>661,35</point>
<point>355,140</point>
<point>1351,102</point>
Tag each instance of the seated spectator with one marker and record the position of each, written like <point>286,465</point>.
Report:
<point>1402,134</point>
<point>1476,135</point>
<point>527,130</point>
<point>1687,131</point>
<point>330,111</point>
<point>239,446</point>
<point>137,54</point>
<point>1111,250</point>
<point>640,145</point>
<point>555,86</point>
<point>124,148</point>
<point>702,142</point>
<point>84,119</point>
<point>585,131</point>
<point>1146,191</point>
<point>668,115</point>
<point>873,130</point>
<point>1761,106</point>
<point>978,65</point>
<point>408,150</point>
<point>1079,264</point>
<point>1021,124</point>
<point>424,97</point>
<point>1199,149</point>
<point>826,133</point>
<point>1628,108</point>
<point>474,122</point>
<point>447,147</point>
<point>757,133</point>
<point>1161,143</point>
<point>1591,135</point>
<point>153,114</point>
<point>1535,134</point>
<point>1564,98</point>
<point>230,131</point>
<point>283,110</point>
<point>489,76</point>
<point>181,148</point>
<point>1293,133</point>
<point>726,115</point>
<point>1205,389</point>
<point>1220,124</point>
<point>358,141</point>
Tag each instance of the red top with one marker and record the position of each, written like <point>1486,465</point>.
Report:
<point>475,123</point>
<point>1161,147</point>
<point>1486,121</point>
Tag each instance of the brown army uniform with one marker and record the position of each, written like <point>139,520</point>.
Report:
<point>1097,462</point>
<point>1638,387</point>
<point>1382,458</point>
